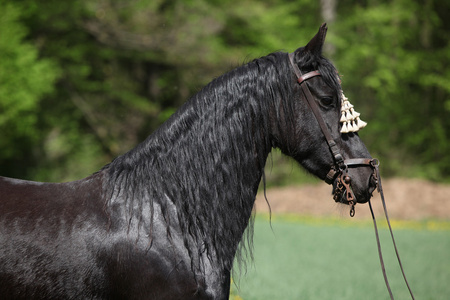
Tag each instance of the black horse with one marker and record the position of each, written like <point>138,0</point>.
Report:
<point>165,220</point>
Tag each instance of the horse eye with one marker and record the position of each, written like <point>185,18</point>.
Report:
<point>327,101</point>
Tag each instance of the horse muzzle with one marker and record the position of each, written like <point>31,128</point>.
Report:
<point>348,190</point>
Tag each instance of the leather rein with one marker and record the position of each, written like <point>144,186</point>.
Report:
<point>339,170</point>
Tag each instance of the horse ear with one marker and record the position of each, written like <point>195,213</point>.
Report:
<point>316,43</point>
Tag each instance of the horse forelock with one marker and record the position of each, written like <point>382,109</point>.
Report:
<point>207,161</point>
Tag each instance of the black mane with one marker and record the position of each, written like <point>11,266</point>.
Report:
<point>208,159</point>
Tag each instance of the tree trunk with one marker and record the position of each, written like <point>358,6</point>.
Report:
<point>328,12</point>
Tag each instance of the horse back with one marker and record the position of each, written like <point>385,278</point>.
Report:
<point>48,236</point>
<point>34,200</point>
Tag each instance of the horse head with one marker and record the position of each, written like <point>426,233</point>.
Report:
<point>321,126</point>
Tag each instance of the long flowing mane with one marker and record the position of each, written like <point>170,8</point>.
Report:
<point>207,160</point>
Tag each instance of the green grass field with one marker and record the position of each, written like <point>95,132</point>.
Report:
<point>314,258</point>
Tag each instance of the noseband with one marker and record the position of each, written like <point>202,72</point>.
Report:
<point>340,167</point>
<point>340,170</point>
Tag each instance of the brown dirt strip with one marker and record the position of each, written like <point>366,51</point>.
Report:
<point>407,199</point>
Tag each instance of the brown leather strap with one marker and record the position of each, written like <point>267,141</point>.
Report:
<point>358,161</point>
<point>308,76</point>
<point>294,65</point>
<point>380,254</point>
<point>331,175</point>
<point>315,109</point>
<point>375,164</point>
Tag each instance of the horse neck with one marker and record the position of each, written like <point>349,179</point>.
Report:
<point>207,160</point>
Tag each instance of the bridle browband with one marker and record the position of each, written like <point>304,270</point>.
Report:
<point>340,168</point>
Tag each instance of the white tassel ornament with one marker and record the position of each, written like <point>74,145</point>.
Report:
<point>349,117</point>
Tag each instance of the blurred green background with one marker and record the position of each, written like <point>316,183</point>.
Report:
<point>84,81</point>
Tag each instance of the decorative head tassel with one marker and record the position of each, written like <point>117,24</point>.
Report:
<point>344,128</point>
<point>354,126</point>
<point>349,117</point>
<point>361,123</point>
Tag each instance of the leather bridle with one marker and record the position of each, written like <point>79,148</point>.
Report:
<point>340,170</point>
<point>343,191</point>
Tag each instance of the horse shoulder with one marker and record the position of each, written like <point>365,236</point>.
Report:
<point>160,268</point>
